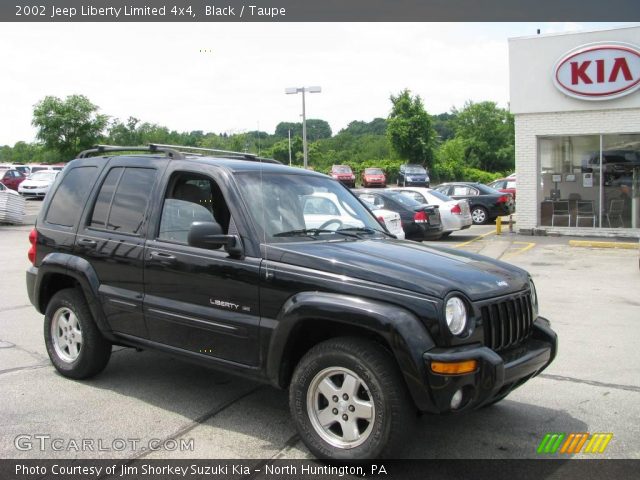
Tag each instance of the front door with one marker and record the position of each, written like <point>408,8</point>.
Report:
<point>198,299</point>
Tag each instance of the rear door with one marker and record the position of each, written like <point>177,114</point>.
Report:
<point>112,235</point>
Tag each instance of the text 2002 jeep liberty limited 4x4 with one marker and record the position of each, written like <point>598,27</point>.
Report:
<point>240,264</point>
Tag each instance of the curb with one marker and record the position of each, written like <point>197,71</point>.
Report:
<point>599,244</point>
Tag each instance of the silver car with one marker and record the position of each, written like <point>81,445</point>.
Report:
<point>454,214</point>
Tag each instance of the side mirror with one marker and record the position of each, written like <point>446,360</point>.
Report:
<point>209,235</point>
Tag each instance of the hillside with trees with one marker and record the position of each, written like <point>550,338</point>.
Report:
<point>474,143</point>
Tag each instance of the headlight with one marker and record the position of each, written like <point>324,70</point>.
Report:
<point>456,315</point>
<point>534,299</point>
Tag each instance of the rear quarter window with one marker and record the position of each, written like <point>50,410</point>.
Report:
<point>66,205</point>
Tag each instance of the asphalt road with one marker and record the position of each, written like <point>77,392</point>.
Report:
<point>590,295</point>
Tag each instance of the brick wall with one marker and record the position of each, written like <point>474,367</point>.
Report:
<point>531,125</point>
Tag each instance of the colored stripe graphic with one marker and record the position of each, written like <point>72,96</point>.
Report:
<point>550,442</point>
<point>574,442</point>
<point>598,443</point>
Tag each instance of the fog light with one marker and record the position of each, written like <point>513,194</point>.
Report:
<point>456,400</point>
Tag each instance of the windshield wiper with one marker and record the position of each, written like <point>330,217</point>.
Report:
<point>303,232</point>
<point>367,230</point>
<point>313,233</point>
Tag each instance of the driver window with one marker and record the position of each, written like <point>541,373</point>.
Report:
<point>191,198</point>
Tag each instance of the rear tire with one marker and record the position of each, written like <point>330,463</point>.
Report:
<point>349,401</point>
<point>479,215</point>
<point>75,346</point>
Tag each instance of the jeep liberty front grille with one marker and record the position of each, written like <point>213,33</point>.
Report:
<point>508,322</point>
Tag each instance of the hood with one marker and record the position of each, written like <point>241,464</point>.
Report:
<point>412,266</point>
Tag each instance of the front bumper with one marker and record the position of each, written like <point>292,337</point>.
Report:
<point>497,374</point>
<point>415,183</point>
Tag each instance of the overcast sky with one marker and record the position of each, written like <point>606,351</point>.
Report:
<point>158,73</point>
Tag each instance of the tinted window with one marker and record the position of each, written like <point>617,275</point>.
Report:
<point>65,207</point>
<point>103,202</point>
<point>123,211</point>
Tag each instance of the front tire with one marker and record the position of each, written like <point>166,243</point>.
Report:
<point>348,400</point>
<point>75,346</point>
<point>479,215</point>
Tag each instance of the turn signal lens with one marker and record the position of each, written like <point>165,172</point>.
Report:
<point>454,368</point>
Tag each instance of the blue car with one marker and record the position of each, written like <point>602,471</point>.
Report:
<point>413,176</point>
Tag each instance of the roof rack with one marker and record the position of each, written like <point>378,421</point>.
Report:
<point>222,153</point>
<point>170,152</point>
<point>176,152</point>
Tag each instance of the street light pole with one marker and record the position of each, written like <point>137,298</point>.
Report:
<point>293,90</point>
<point>305,151</point>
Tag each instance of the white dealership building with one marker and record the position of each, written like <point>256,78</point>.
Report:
<point>576,101</point>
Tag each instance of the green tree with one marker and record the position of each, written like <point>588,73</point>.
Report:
<point>282,129</point>
<point>488,133</point>
<point>68,126</point>
<point>409,129</point>
<point>317,129</point>
<point>377,126</point>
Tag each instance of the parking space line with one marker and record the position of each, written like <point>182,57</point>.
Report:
<point>518,251</point>
<point>603,244</point>
<point>479,237</point>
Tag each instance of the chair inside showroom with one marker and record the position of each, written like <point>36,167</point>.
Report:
<point>585,212</point>
<point>616,208</point>
<point>560,211</point>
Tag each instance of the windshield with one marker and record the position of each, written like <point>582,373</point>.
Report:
<point>294,207</point>
<point>419,170</point>
<point>373,171</point>
<point>43,175</point>
<point>342,169</point>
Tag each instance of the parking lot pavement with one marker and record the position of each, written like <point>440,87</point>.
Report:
<point>590,295</point>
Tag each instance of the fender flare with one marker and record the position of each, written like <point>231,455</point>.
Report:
<point>82,272</point>
<point>403,332</point>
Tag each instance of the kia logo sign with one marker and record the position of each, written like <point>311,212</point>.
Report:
<point>599,71</point>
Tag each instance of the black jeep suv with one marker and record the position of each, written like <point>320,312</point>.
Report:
<point>214,259</point>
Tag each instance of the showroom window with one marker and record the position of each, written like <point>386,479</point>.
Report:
<point>590,181</point>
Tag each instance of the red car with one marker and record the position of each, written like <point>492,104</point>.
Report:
<point>343,174</point>
<point>506,185</point>
<point>374,177</point>
<point>11,178</point>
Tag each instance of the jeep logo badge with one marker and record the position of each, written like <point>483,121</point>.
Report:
<point>599,71</point>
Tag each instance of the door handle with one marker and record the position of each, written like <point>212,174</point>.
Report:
<point>163,258</point>
<point>85,242</point>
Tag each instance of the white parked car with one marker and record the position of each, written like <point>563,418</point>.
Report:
<point>323,210</point>
<point>390,219</point>
<point>454,214</point>
<point>38,184</point>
